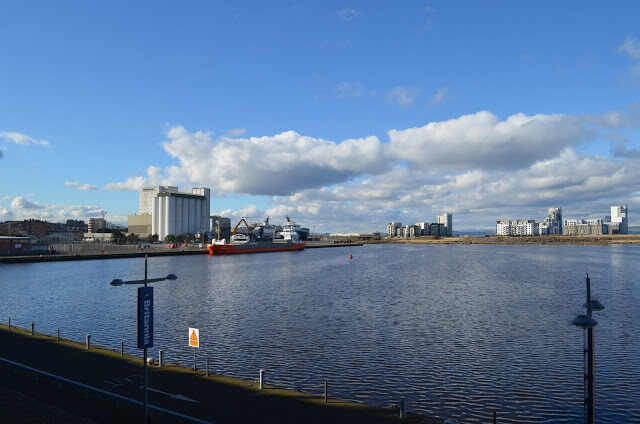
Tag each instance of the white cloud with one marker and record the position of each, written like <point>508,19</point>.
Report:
<point>631,46</point>
<point>439,97</point>
<point>270,165</point>
<point>350,89</point>
<point>348,14</point>
<point>235,132</point>
<point>80,186</point>
<point>19,202</point>
<point>482,141</point>
<point>22,139</point>
<point>152,178</point>
<point>403,96</point>
<point>21,208</point>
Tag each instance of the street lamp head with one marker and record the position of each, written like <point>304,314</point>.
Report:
<point>584,321</point>
<point>171,277</point>
<point>117,282</point>
<point>595,305</point>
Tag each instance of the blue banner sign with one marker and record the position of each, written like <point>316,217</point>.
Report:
<point>145,317</point>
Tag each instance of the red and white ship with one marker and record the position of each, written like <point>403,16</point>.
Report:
<point>253,242</point>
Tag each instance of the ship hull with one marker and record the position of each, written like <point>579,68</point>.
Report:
<point>232,249</point>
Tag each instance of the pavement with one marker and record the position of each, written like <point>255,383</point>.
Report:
<point>28,398</point>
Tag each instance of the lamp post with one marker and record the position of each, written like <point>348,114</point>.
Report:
<point>586,322</point>
<point>145,321</point>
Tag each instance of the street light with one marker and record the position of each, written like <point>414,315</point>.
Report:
<point>145,320</point>
<point>586,322</point>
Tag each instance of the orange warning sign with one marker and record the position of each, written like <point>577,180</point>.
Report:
<point>194,337</point>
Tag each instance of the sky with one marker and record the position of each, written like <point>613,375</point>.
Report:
<point>344,115</point>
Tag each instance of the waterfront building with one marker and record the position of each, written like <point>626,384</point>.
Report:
<point>437,229</point>
<point>27,227</point>
<point>140,225</point>
<point>585,227</point>
<point>392,229</point>
<point>443,228</point>
<point>618,220</point>
<point>503,228</point>
<point>447,220</point>
<point>96,225</point>
<point>554,221</point>
<point>412,231</point>
<point>14,245</point>
<point>175,213</point>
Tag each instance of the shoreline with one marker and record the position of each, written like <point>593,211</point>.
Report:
<point>215,397</point>
<point>137,254</point>
<point>604,240</point>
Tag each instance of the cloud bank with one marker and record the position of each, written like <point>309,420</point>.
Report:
<point>477,166</point>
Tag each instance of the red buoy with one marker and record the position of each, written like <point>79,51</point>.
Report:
<point>350,256</point>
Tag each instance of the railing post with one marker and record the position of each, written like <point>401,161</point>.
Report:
<point>160,358</point>
<point>32,324</point>
<point>403,409</point>
<point>495,418</point>
<point>9,323</point>
<point>88,341</point>
<point>122,349</point>
<point>207,368</point>
<point>58,336</point>
<point>261,381</point>
<point>326,398</point>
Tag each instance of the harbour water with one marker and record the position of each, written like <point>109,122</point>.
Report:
<point>457,330</point>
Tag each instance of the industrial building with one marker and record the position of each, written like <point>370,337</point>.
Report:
<point>167,211</point>
<point>221,227</point>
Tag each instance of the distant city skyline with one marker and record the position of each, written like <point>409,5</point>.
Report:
<point>345,116</point>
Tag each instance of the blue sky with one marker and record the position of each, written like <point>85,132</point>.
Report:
<point>290,108</point>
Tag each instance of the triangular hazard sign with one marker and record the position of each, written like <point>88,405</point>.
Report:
<point>193,338</point>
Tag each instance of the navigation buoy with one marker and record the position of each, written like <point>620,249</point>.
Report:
<point>350,256</point>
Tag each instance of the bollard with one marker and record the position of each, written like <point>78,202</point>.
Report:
<point>58,338</point>
<point>403,409</point>
<point>261,381</point>
<point>88,341</point>
<point>160,358</point>
<point>495,417</point>
<point>32,329</point>
<point>325,392</point>
<point>122,349</point>
<point>207,368</point>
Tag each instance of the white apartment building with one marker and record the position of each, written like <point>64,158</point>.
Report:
<point>503,228</point>
<point>392,229</point>
<point>521,227</point>
<point>619,221</point>
<point>173,212</point>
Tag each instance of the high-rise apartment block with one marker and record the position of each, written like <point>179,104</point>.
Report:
<point>618,221</point>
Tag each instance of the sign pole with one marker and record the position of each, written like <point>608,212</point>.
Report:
<point>146,381</point>
<point>194,341</point>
